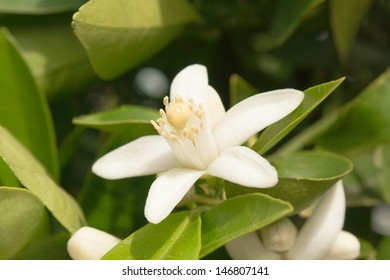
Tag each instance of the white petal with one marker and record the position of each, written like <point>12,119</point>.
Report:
<point>249,247</point>
<point>253,114</point>
<point>345,247</point>
<point>321,229</point>
<point>244,166</point>
<point>217,109</point>
<point>167,191</point>
<point>90,244</point>
<point>191,82</point>
<point>144,156</point>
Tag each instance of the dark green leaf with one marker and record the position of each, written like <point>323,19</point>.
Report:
<point>23,108</point>
<point>346,17</point>
<point>363,123</point>
<point>303,177</point>
<point>34,177</point>
<point>275,132</point>
<point>23,218</point>
<point>39,6</point>
<point>128,119</point>
<point>120,34</point>
<point>175,238</point>
<point>238,216</point>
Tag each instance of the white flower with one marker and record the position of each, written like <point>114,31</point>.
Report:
<point>89,243</point>
<point>320,237</point>
<point>197,137</point>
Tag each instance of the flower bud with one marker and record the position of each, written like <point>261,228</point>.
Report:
<point>345,247</point>
<point>90,244</point>
<point>279,236</point>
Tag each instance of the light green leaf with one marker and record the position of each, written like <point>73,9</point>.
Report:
<point>23,218</point>
<point>33,176</point>
<point>275,132</point>
<point>303,177</point>
<point>383,165</point>
<point>39,6</point>
<point>55,56</point>
<point>175,238</point>
<point>119,35</point>
<point>239,89</point>
<point>346,17</point>
<point>367,251</point>
<point>238,216</point>
<point>23,108</point>
<point>362,124</point>
<point>384,249</point>
<point>128,119</point>
<point>288,17</point>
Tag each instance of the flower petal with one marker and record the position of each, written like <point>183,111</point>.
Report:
<point>249,247</point>
<point>345,247</point>
<point>167,191</point>
<point>216,105</point>
<point>320,231</point>
<point>244,166</point>
<point>143,156</point>
<point>253,114</point>
<point>90,244</point>
<point>191,82</point>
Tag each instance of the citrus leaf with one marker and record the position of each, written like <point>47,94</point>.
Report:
<point>39,6</point>
<point>175,238</point>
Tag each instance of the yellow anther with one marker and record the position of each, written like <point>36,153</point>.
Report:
<point>178,115</point>
<point>166,101</point>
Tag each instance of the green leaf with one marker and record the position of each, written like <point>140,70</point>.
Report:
<point>383,164</point>
<point>39,6</point>
<point>346,17</point>
<point>275,132</point>
<point>51,247</point>
<point>23,218</point>
<point>118,35</point>
<point>23,108</point>
<point>384,249</point>
<point>238,216</point>
<point>239,89</point>
<point>367,251</point>
<point>175,238</point>
<point>128,119</point>
<point>55,56</point>
<point>303,177</point>
<point>288,18</point>
<point>34,177</point>
<point>362,124</point>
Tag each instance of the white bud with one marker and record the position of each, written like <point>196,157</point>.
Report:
<point>345,247</point>
<point>279,236</point>
<point>90,244</point>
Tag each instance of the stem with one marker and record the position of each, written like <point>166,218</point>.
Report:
<point>205,200</point>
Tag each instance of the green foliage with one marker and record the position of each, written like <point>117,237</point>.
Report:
<point>23,219</point>
<point>33,176</point>
<point>118,36</point>
<point>39,6</point>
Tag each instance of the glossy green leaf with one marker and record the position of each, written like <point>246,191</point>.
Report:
<point>238,216</point>
<point>120,34</point>
<point>303,177</point>
<point>128,119</point>
<point>175,238</point>
<point>363,123</point>
<point>39,6</point>
<point>23,108</point>
<point>239,89</point>
<point>23,218</point>
<point>55,56</point>
<point>288,17</point>
<point>275,132</point>
<point>346,17</point>
<point>33,176</point>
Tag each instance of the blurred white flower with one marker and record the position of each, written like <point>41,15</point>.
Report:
<point>90,244</point>
<point>380,219</point>
<point>197,137</point>
<point>320,237</point>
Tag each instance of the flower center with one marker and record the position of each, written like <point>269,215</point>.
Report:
<point>178,115</point>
